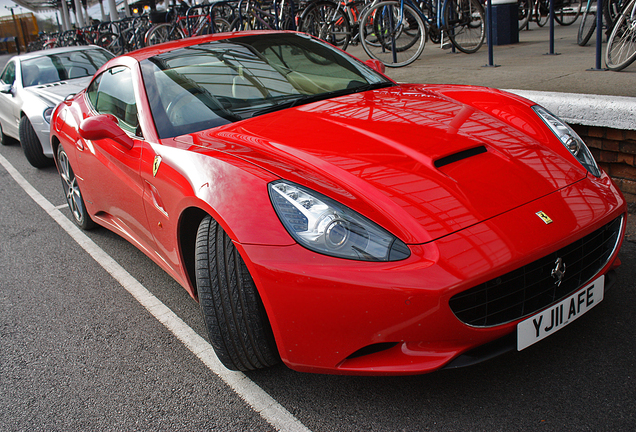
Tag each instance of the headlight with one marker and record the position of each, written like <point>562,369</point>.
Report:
<point>48,113</point>
<point>328,227</point>
<point>570,140</point>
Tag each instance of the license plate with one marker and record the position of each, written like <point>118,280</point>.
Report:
<point>553,319</point>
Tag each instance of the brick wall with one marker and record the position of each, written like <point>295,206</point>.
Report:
<point>615,151</point>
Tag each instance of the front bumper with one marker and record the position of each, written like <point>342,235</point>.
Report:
<point>347,317</point>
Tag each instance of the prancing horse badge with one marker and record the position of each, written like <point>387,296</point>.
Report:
<point>544,217</point>
<point>155,165</point>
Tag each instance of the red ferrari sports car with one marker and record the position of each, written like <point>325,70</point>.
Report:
<point>328,217</point>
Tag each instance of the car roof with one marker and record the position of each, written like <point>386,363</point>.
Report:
<point>47,52</point>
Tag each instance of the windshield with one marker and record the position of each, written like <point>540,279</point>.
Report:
<point>215,83</point>
<point>62,66</point>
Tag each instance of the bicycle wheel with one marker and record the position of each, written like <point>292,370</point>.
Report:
<point>568,12</point>
<point>327,21</point>
<point>392,38</point>
<point>110,41</point>
<point>588,24</point>
<point>221,25</point>
<point>541,12</point>
<point>621,45</point>
<point>465,23</point>
<point>160,33</point>
<point>611,10</point>
<point>524,8</point>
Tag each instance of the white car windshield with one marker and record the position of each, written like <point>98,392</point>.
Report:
<point>62,66</point>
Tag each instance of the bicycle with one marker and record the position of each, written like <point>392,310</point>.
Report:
<point>254,15</point>
<point>621,45</point>
<point>395,32</point>
<point>177,24</point>
<point>123,36</point>
<point>332,21</point>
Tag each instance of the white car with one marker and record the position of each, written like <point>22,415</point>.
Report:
<point>32,84</point>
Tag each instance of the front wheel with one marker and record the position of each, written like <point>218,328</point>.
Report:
<point>621,45</point>
<point>465,20</point>
<point>395,39</point>
<point>234,314</point>
<point>31,145</point>
<point>72,192</point>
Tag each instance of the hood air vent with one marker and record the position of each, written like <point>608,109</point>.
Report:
<point>456,157</point>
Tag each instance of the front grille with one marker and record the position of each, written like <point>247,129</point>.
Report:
<point>532,287</point>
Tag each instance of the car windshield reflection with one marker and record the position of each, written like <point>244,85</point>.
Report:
<point>52,68</point>
<point>208,85</point>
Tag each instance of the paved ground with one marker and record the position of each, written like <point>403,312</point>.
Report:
<point>523,66</point>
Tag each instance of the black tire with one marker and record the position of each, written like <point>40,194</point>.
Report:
<point>621,45</point>
<point>524,8</point>
<point>31,145</point>
<point>5,139</point>
<point>327,21</point>
<point>385,38</point>
<point>586,27</point>
<point>569,12</point>
<point>72,192</point>
<point>234,315</point>
<point>467,24</point>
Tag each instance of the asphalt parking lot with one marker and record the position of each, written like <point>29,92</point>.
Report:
<point>79,352</point>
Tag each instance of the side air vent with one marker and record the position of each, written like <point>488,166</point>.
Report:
<point>456,157</point>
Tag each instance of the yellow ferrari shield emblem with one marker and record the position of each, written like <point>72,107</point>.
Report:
<point>155,165</point>
<point>544,217</point>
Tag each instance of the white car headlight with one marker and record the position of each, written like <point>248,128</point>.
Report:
<point>48,113</point>
<point>570,140</point>
<point>325,226</point>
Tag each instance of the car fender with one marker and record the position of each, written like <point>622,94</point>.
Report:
<point>33,106</point>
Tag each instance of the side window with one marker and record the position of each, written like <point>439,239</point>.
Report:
<point>8,74</point>
<point>91,91</point>
<point>115,95</point>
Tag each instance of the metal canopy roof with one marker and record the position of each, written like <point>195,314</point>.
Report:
<point>38,5</point>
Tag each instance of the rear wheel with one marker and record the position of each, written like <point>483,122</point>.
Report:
<point>160,33</point>
<point>31,145</point>
<point>327,21</point>
<point>587,25</point>
<point>568,12</point>
<point>232,309</point>
<point>466,24</point>
<point>394,38</point>
<point>524,8</point>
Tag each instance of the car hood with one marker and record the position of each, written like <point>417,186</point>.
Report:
<point>55,93</point>
<point>422,161</point>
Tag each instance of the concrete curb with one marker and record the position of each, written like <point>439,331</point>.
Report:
<point>617,112</point>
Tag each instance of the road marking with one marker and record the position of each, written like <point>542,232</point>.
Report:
<point>260,401</point>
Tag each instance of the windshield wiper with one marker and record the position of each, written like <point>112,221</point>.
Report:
<point>302,100</point>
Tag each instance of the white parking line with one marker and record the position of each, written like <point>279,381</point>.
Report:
<point>261,402</point>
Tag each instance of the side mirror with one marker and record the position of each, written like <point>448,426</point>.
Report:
<point>376,65</point>
<point>104,126</point>
<point>5,88</point>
